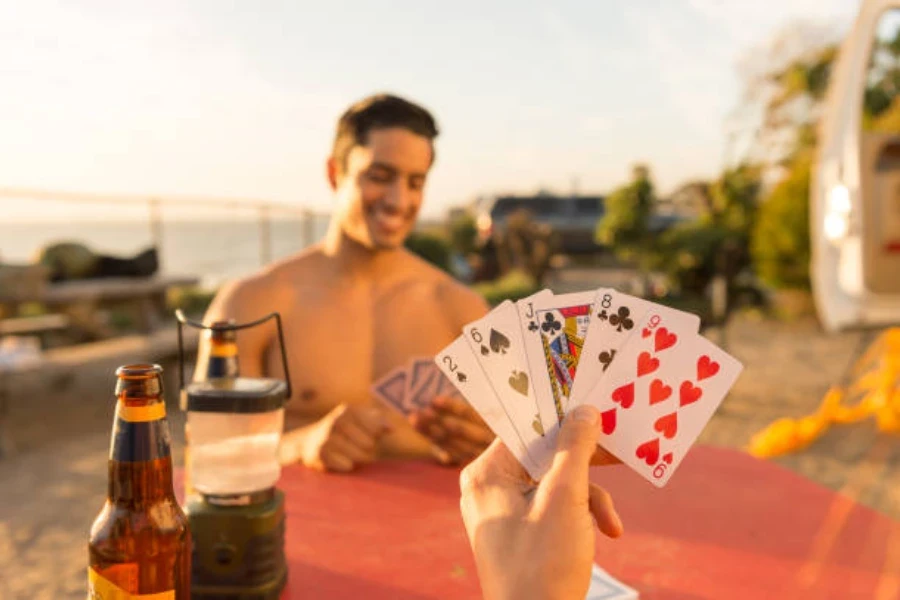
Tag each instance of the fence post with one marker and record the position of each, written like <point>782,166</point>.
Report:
<point>156,226</point>
<point>309,228</point>
<point>265,235</point>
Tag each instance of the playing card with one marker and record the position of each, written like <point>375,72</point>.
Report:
<point>701,375</point>
<point>606,587</point>
<point>445,387</point>
<point>554,335</point>
<point>391,389</point>
<point>643,421</point>
<point>496,341</point>
<point>421,383</point>
<point>612,322</point>
<point>459,364</point>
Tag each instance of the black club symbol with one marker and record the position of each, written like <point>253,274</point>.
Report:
<point>550,324</point>
<point>622,319</point>
<point>532,326</point>
<point>606,357</point>
<point>603,315</point>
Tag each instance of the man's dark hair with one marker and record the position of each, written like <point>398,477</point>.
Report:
<point>380,111</point>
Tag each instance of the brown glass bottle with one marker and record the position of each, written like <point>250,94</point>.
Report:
<point>140,543</point>
<point>223,356</point>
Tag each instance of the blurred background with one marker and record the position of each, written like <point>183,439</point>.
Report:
<point>150,152</point>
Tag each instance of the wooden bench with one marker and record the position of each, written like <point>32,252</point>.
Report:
<point>62,364</point>
<point>85,302</point>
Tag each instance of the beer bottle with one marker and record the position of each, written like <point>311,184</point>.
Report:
<point>140,544</point>
<point>223,356</point>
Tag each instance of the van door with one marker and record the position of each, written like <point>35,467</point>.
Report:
<point>855,197</point>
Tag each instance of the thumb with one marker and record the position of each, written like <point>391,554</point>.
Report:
<point>575,446</point>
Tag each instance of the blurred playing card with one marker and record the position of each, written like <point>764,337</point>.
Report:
<point>606,587</point>
<point>422,381</point>
<point>391,390</point>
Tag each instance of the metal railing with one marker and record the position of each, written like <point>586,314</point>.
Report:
<point>155,204</point>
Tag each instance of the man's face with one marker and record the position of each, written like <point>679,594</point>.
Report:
<point>380,191</point>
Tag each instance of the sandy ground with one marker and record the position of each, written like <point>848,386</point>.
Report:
<point>54,486</point>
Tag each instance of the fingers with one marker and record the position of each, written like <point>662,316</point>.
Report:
<point>356,434</point>
<point>369,418</point>
<point>576,444</point>
<point>456,406</point>
<point>462,428</point>
<point>343,446</point>
<point>604,512</point>
<point>495,466</point>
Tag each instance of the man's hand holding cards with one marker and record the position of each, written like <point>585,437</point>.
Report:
<point>654,379</point>
<point>420,392</point>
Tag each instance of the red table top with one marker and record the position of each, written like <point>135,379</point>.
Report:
<point>728,526</point>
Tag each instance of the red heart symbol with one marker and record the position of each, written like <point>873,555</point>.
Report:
<point>706,367</point>
<point>649,451</point>
<point>645,333</point>
<point>659,391</point>
<point>646,364</point>
<point>608,421</point>
<point>668,458</point>
<point>664,339</point>
<point>667,425</point>
<point>690,393</point>
<point>624,395</point>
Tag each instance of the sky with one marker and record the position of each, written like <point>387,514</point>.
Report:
<point>240,99</point>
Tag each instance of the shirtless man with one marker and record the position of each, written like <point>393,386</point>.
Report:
<point>358,304</point>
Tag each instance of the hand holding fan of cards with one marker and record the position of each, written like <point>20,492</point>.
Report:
<point>655,381</point>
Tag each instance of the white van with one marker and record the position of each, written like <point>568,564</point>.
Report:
<point>855,192</point>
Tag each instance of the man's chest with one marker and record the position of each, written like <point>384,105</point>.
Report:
<point>339,343</point>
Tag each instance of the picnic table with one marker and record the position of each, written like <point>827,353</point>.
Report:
<point>727,526</point>
<point>84,302</point>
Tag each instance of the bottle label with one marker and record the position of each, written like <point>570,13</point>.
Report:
<point>101,588</point>
<point>141,414</point>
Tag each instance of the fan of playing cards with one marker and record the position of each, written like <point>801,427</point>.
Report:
<point>655,380</point>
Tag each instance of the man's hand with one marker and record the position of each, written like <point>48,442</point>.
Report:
<point>343,439</point>
<point>455,428</point>
<point>537,541</point>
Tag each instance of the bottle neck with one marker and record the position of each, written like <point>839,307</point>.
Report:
<point>223,359</point>
<point>140,483</point>
<point>140,454</point>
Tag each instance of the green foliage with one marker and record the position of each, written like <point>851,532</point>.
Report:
<point>781,239</point>
<point>431,248</point>
<point>624,226</point>
<point>692,253</point>
<point>513,286</point>
<point>463,234</point>
<point>192,300</point>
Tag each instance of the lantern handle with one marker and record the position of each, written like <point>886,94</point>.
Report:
<point>183,320</point>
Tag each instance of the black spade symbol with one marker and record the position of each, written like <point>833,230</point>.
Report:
<point>499,342</point>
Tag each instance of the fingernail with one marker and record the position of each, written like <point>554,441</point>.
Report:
<point>585,412</point>
<point>617,521</point>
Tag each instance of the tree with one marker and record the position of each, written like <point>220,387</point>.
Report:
<point>625,224</point>
<point>692,253</point>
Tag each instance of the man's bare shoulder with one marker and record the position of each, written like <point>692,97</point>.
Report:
<point>274,286</point>
<point>461,303</point>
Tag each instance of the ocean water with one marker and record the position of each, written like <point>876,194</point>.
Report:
<point>214,251</point>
